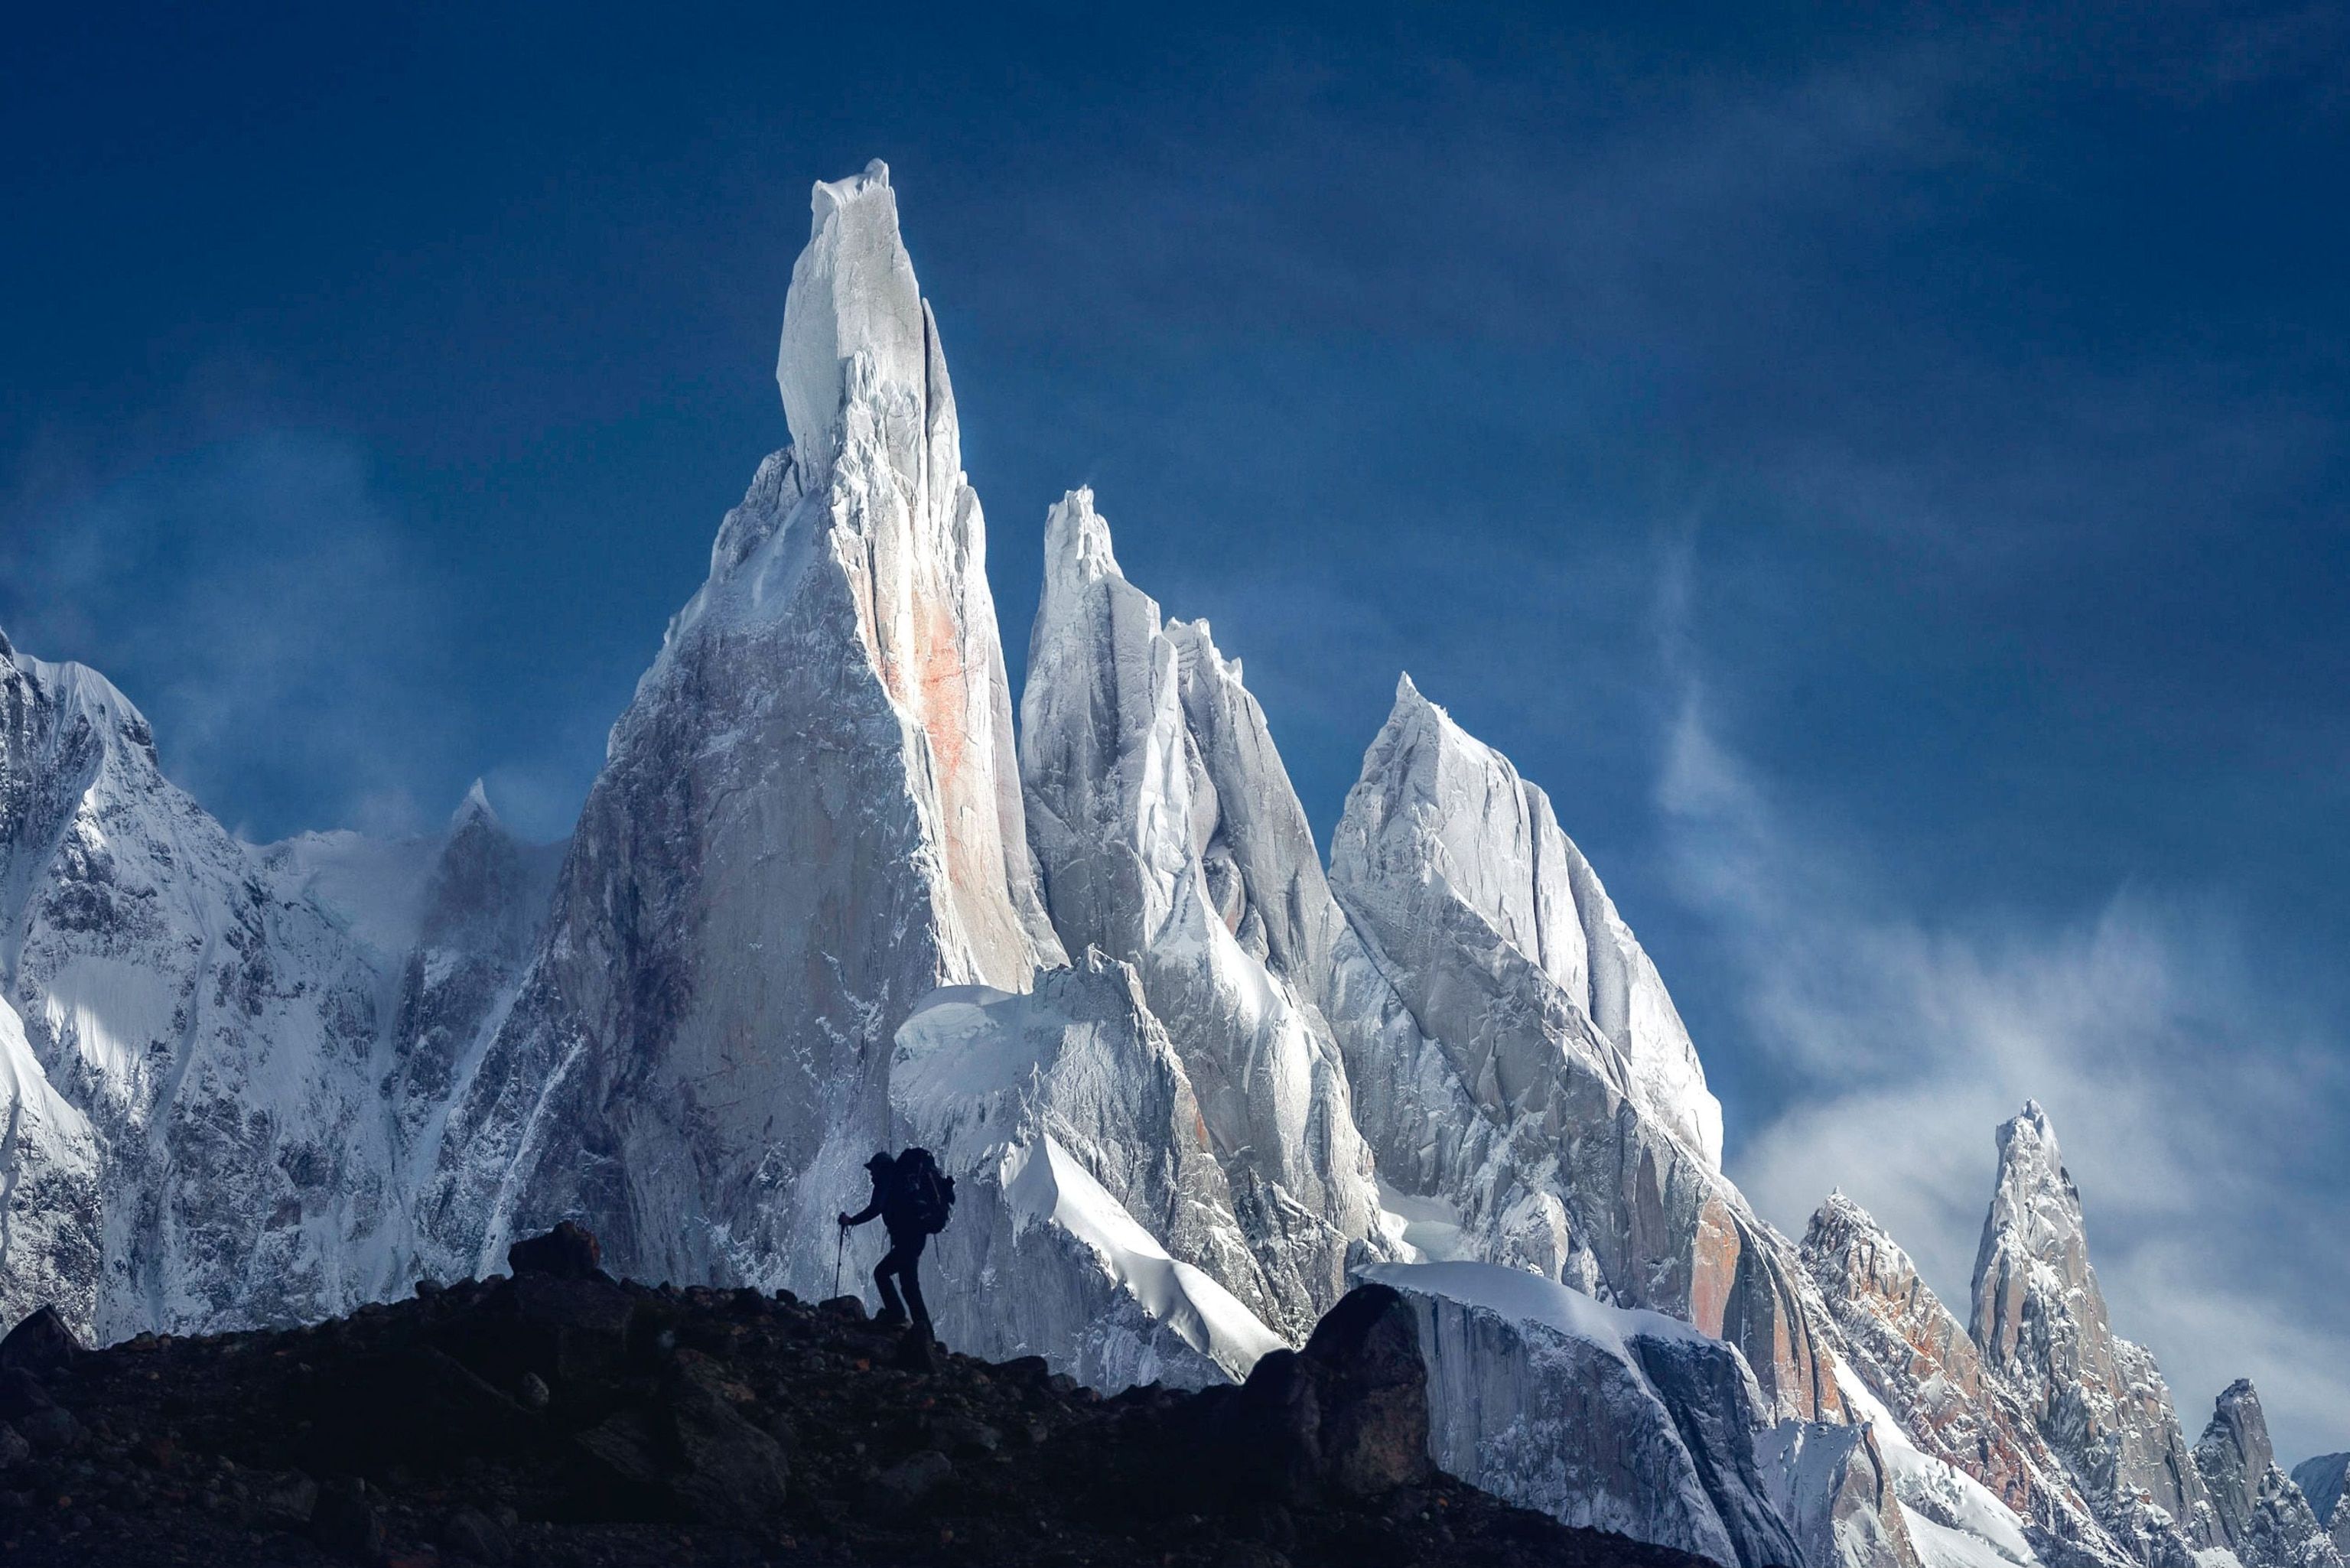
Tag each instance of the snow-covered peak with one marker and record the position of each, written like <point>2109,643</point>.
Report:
<point>852,293</point>
<point>78,690</point>
<point>2034,1239</point>
<point>2041,1322</point>
<point>1436,808</point>
<point>2239,1428</point>
<point>1076,543</point>
<point>2263,1516</point>
<point>475,807</point>
<point>1170,837</point>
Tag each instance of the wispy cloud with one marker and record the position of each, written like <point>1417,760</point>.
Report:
<point>2197,1107</point>
<point>258,600</point>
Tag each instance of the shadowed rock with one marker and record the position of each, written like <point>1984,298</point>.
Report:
<point>42,1341</point>
<point>1345,1416</point>
<point>569,1251</point>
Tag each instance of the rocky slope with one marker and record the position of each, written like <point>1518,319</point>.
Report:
<point>1916,1359</point>
<point>558,1417</point>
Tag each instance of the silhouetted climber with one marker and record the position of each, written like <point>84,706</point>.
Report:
<point>914,1198</point>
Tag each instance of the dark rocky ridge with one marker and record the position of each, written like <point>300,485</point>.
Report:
<point>558,1417</point>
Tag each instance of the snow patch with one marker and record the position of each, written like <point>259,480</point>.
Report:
<point>1045,1184</point>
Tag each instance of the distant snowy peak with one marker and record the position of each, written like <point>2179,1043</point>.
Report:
<point>1919,1363</point>
<point>1435,802</point>
<point>216,1031</point>
<point>2041,1322</point>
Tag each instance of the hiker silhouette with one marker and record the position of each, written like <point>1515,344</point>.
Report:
<point>913,1198</point>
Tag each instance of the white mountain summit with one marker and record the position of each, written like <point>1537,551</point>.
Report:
<point>1193,1085</point>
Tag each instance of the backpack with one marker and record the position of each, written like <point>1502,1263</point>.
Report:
<point>927,1192</point>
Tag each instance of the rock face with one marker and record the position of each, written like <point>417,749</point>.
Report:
<point>1092,1224</point>
<point>1617,1419</point>
<point>1169,837</point>
<point>2040,1321</point>
<point>808,819</point>
<point>1829,1482</point>
<point>478,914</point>
<point>1515,1062</point>
<point>2263,1516</point>
<point>2321,1481</point>
<point>1916,1359</point>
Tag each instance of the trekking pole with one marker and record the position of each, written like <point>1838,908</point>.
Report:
<point>837,1253</point>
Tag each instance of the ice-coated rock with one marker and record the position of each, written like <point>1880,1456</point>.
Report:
<point>1954,1520</point>
<point>852,293</point>
<point>52,1248</point>
<point>808,819</point>
<point>1169,835</point>
<point>1915,1358</point>
<point>1092,1225</point>
<point>2040,1321</point>
<point>2263,1515</point>
<point>1516,895</point>
<point>2321,1481</point>
<point>1616,1420</point>
<point>1828,1482</point>
<point>1486,1087</point>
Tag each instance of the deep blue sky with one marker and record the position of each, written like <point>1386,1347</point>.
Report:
<point>1886,477</point>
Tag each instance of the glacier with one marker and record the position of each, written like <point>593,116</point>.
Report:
<point>1194,1080</point>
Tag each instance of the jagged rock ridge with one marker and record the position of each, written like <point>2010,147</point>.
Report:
<point>1169,837</point>
<point>2263,1514</point>
<point>816,901</point>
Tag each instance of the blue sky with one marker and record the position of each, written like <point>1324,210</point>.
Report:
<point>1886,477</point>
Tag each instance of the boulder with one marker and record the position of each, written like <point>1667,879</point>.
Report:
<point>685,1456</point>
<point>1346,1415</point>
<point>470,1534</point>
<point>913,1478</point>
<point>42,1341</point>
<point>285,1497</point>
<point>569,1251</point>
